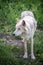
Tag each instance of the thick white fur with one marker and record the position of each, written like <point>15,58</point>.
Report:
<point>26,32</point>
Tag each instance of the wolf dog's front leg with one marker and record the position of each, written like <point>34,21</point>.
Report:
<point>32,50</point>
<point>25,49</point>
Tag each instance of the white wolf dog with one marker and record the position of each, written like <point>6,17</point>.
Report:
<point>26,27</point>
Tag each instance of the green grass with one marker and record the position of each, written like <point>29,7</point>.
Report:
<point>12,55</point>
<point>9,11</point>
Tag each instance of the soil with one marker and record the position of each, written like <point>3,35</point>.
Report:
<point>9,40</point>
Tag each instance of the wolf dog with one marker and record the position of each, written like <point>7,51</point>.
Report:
<point>26,27</point>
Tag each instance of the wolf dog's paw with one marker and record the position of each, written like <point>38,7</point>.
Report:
<point>25,56</point>
<point>33,57</point>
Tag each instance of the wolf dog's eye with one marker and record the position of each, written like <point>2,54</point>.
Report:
<point>18,28</point>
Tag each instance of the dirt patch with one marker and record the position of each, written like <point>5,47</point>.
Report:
<point>9,40</point>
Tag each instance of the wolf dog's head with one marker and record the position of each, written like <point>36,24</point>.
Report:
<point>20,28</point>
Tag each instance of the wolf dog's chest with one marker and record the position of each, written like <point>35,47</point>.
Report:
<point>26,36</point>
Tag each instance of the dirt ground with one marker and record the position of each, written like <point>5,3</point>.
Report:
<point>10,40</point>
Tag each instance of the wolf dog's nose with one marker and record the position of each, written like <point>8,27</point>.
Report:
<point>13,34</point>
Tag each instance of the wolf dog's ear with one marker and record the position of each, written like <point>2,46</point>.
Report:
<point>23,23</point>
